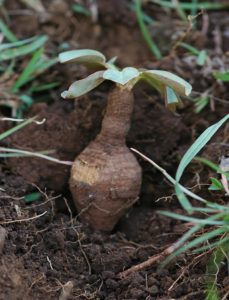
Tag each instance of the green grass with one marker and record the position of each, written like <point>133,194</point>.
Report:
<point>193,6</point>
<point>145,33</point>
<point>210,230</point>
<point>214,237</point>
<point>80,9</point>
<point>223,76</point>
<point>29,52</point>
<point>201,55</point>
<point>7,33</point>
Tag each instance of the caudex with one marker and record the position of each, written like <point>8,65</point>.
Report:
<point>106,178</point>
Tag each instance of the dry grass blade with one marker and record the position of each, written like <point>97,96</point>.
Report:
<point>23,220</point>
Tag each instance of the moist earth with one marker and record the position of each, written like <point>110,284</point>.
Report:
<point>46,245</point>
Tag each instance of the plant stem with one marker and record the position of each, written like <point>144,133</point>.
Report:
<point>116,122</point>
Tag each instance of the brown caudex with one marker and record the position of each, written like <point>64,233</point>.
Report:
<point>106,177</point>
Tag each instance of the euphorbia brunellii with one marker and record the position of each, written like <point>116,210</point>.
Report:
<point>106,178</point>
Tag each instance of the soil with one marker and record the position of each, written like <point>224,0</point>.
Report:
<point>46,245</point>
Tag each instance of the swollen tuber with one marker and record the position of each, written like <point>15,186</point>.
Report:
<point>106,178</point>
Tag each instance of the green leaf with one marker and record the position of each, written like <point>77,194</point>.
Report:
<point>10,155</point>
<point>191,219</point>
<point>145,32</point>
<point>190,48</point>
<point>211,245</point>
<point>198,145</point>
<point>85,56</point>
<point>216,185</point>
<point>24,49</point>
<point>163,78</point>
<point>183,199</point>
<point>211,165</point>
<point>44,87</point>
<point>16,44</point>
<point>32,197</point>
<point>42,65</point>
<point>189,6</point>
<point>80,9</point>
<point>81,87</point>
<point>28,70</point>
<point>201,103</point>
<point>190,154</point>
<point>195,242</point>
<point>204,237</point>
<point>121,77</point>
<point>7,33</point>
<point>179,243</point>
<point>214,265</point>
<point>171,98</point>
<point>26,99</point>
<point>201,58</point>
<point>222,76</point>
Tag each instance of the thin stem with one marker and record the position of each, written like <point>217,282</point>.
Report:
<point>116,122</point>
<point>35,154</point>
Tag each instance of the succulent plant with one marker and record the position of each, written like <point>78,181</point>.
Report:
<point>106,178</point>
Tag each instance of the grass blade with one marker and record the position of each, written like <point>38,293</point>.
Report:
<point>190,48</point>
<point>189,155</point>
<point>29,69</point>
<point>36,154</point>
<point>211,165</point>
<point>179,243</point>
<point>16,128</point>
<point>32,197</point>
<point>16,44</point>
<point>222,76</point>
<point>7,33</point>
<point>189,6</point>
<point>44,87</point>
<point>213,267</point>
<point>198,145</point>
<point>211,245</point>
<point>194,220</point>
<point>201,58</point>
<point>80,9</point>
<point>180,11</point>
<point>183,199</point>
<point>194,7</point>
<point>140,18</point>
<point>172,180</point>
<point>199,240</point>
<point>11,53</point>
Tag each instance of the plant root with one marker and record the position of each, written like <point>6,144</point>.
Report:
<point>149,262</point>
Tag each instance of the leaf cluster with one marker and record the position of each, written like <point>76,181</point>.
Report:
<point>168,84</point>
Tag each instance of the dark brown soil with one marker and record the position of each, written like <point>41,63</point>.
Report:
<point>46,244</point>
